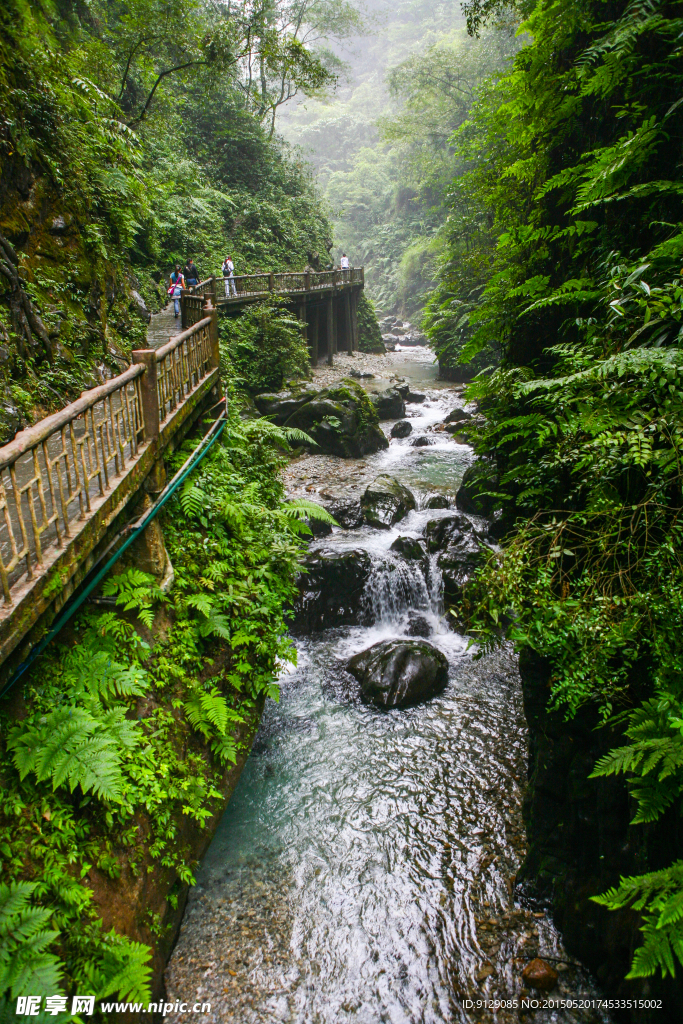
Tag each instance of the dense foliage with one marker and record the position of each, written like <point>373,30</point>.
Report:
<point>121,741</point>
<point>381,145</point>
<point>565,256</point>
<point>265,347</point>
<point>135,135</point>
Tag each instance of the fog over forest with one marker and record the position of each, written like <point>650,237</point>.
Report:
<point>379,142</point>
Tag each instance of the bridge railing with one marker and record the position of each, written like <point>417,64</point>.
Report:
<point>55,473</point>
<point>288,282</point>
<point>50,471</point>
<point>181,365</point>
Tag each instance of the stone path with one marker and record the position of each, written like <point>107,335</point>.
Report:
<point>162,326</point>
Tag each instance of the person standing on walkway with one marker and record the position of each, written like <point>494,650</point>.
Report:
<point>176,288</point>
<point>228,271</point>
<point>191,274</point>
<point>344,264</point>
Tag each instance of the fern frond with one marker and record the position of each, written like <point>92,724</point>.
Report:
<point>71,747</point>
<point>193,500</point>
<point>25,963</point>
<point>303,508</point>
<point>295,434</point>
<point>122,969</point>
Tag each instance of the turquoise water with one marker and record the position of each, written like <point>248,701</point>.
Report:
<point>363,871</point>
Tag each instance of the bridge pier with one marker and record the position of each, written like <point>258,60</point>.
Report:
<point>331,341</point>
<point>313,335</point>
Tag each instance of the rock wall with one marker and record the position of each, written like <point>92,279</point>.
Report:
<point>580,842</point>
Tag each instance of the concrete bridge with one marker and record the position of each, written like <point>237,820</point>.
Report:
<point>69,483</point>
<point>326,302</point>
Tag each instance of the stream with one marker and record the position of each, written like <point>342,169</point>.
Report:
<point>364,870</point>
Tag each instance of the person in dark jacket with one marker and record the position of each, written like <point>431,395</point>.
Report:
<point>191,274</point>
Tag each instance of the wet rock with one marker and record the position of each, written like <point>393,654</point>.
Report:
<point>438,501</point>
<point>358,375</point>
<point>279,406</point>
<point>457,416</point>
<point>319,528</point>
<point>389,404</point>
<point>421,442</point>
<point>460,552</point>
<point>415,396</point>
<point>418,625</point>
<point>348,514</point>
<point>393,673</point>
<point>401,387</point>
<point>386,502</point>
<point>411,548</point>
<point>401,429</point>
<point>331,590</point>
<point>341,420</point>
<point>538,974</point>
<point>139,306</point>
<point>471,497</point>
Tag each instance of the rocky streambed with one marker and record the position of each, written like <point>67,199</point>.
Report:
<point>365,869</point>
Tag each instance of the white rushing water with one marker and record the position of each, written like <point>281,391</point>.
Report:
<point>364,870</point>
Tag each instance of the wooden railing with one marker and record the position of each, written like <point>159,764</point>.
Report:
<point>244,286</point>
<point>181,365</point>
<point>53,474</point>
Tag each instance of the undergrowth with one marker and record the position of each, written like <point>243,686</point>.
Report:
<point>116,746</point>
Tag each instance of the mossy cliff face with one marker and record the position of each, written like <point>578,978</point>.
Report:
<point>580,843</point>
<point>83,291</point>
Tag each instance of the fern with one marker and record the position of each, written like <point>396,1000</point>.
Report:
<point>135,590</point>
<point>654,761</point>
<point>209,714</point>
<point>659,895</point>
<point>95,673</point>
<point>193,500</point>
<point>70,746</point>
<point>26,967</point>
<point>121,969</point>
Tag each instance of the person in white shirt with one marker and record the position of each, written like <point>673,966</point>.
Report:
<point>344,263</point>
<point>228,271</point>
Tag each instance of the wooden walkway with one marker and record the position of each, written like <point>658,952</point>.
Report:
<point>326,302</point>
<point>65,481</point>
<point>163,326</point>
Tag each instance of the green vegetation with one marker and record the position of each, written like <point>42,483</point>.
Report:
<point>369,334</point>
<point>265,347</point>
<point>116,744</point>
<point>381,144</point>
<point>135,135</point>
<point>564,256</point>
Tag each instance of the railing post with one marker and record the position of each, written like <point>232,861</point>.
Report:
<point>213,289</point>
<point>307,282</point>
<point>271,282</point>
<point>211,310</point>
<point>148,388</point>
<point>183,308</point>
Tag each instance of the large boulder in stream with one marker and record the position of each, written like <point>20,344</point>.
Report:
<point>341,420</point>
<point>386,502</point>
<point>401,429</point>
<point>279,406</point>
<point>331,589</point>
<point>390,404</point>
<point>460,551</point>
<point>393,673</point>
